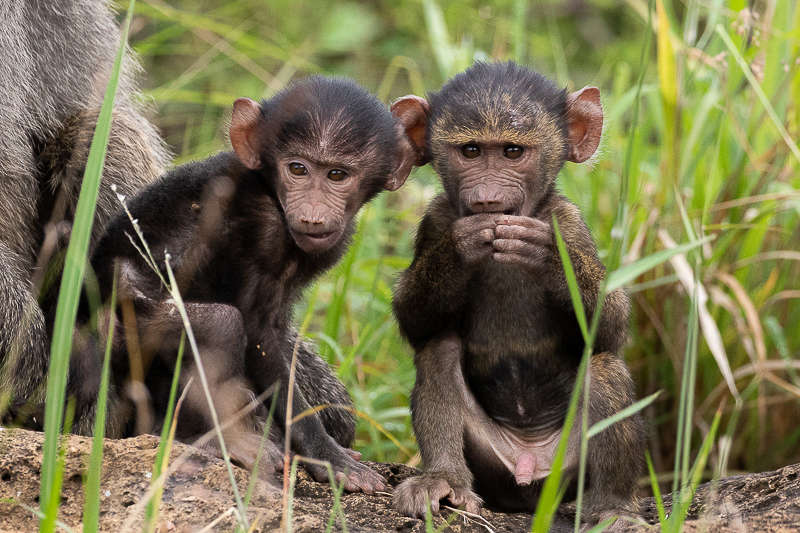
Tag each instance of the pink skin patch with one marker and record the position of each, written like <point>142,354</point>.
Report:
<point>524,469</point>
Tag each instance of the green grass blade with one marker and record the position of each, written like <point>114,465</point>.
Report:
<point>588,336</point>
<point>440,41</point>
<point>662,515</point>
<point>164,443</point>
<point>620,223</point>
<point>628,273</point>
<point>518,30</point>
<point>683,500</point>
<point>684,426</point>
<point>690,363</point>
<point>74,269</point>
<point>91,509</point>
<point>584,452</point>
<point>779,339</point>
<point>337,306</point>
<point>572,283</point>
<point>763,98</point>
<point>625,413</point>
<point>329,345</point>
<point>552,491</point>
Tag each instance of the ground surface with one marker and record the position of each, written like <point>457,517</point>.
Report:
<point>198,492</point>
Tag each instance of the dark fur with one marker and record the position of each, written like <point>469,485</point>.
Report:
<point>228,231</point>
<point>504,334</point>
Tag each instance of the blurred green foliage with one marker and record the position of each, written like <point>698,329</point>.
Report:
<point>705,155</point>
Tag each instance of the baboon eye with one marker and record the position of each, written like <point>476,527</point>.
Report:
<point>298,169</point>
<point>337,175</point>
<point>470,151</point>
<point>513,151</point>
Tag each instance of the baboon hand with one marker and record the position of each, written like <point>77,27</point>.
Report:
<point>622,519</point>
<point>243,447</point>
<point>357,477</point>
<point>413,496</point>
<point>473,236</point>
<point>525,241</point>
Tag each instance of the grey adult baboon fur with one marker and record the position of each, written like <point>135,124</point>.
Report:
<point>54,66</point>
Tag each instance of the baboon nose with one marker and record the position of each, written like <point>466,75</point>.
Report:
<point>486,200</point>
<point>487,205</point>
<point>312,217</point>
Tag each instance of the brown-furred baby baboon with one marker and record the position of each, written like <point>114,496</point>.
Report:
<point>486,305</point>
<point>57,57</point>
<point>246,231</point>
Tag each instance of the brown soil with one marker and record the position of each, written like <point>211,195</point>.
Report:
<point>198,491</point>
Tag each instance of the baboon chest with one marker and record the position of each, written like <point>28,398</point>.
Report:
<point>516,360</point>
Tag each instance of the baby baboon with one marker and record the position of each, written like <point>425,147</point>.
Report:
<point>486,306</point>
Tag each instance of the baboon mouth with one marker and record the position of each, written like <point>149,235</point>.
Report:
<point>319,236</point>
<point>315,242</point>
<point>499,210</point>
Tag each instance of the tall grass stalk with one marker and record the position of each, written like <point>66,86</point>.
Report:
<point>165,442</point>
<point>756,86</point>
<point>288,473</point>
<point>264,438</point>
<point>685,411</point>
<point>176,297</point>
<point>91,508</point>
<point>66,312</point>
<point>518,32</point>
<point>682,500</point>
<point>336,307</point>
<point>552,490</point>
<point>620,228</point>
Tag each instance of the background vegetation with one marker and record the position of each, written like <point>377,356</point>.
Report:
<point>705,147</point>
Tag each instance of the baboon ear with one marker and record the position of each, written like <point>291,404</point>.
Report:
<point>412,114</point>
<point>584,122</point>
<point>245,123</point>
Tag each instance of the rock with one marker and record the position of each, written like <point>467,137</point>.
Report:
<point>198,492</point>
<point>766,501</point>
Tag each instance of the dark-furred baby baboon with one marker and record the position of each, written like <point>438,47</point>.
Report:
<point>57,57</point>
<point>486,306</point>
<point>246,231</point>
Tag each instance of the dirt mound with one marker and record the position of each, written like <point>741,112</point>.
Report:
<point>198,493</point>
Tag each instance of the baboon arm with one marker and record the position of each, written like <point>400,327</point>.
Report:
<point>439,409</point>
<point>589,274</point>
<point>438,414</point>
<point>431,293</point>
<point>309,437</point>
<point>615,454</point>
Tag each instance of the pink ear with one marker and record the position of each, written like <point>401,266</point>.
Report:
<point>245,123</point>
<point>584,122</point>
<point>412,113</point>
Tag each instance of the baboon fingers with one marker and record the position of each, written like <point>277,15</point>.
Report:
<point>356,477</point>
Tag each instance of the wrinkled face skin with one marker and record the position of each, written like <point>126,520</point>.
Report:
<point>499,166</point>
<point>498,137</point>
<point>493,177</point>
<point>330,147</point>
<point>319,198</point>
